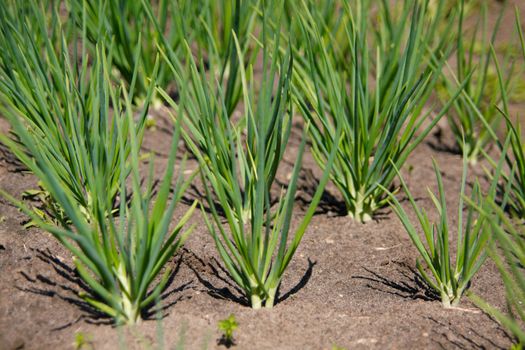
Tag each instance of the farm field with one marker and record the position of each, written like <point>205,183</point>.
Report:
<point>349,285</point>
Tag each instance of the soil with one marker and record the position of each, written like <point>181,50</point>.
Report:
<point>349,285</point>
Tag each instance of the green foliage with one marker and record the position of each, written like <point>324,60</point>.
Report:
<point>134,30</point>
<point>212,33</point>
<point>91,147</point>
<point>119,257</point>
<point>130,36</point>
<point>379,116</point>
<point>508,252</point>
<point>507,248</point>
<point>473,232</point>
<point>239,160</point>
<point>481,94</point>
<point>227,326</point>
<point>82,341</point>
<point>513,151</point>
<point>55,97</point>
<point>219,20</point>
<point>47,209</point>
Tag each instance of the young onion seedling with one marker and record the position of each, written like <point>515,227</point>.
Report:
<point>131,37</point>
<point>67,110</point>
<point>381,117</point>
<point>508,253</point>
<point>473,232</point>
<point>239,160</point>
<point>482,87</point>
<point>120,257</point>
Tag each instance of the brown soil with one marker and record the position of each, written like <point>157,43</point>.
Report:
<point>351,285</point>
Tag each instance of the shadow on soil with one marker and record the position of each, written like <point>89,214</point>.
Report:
<point>231,291</point>
<point>13,165</point>
<point>457,340</point>
<point>227,343</point>
<point>410,286</point>
<point>67,284</point>
<point>329,204</point>
<point>438,144</point>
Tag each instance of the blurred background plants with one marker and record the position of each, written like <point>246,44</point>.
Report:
<point>507,250</point>
<point>47,90</point>
<point>130,37</point>
<point>136,29</point>
<point>475,119</point>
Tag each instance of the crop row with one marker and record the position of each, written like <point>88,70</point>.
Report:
<point>78,80</point>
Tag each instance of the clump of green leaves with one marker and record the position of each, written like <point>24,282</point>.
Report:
<point>379,116</point>
<point>507,250</point>
<point>475,117</point>
<point>80,135</point>
<point>473,231</point>
<point>513,150</point>
<point>130,37</point>
<point>239,159</point>
<point>228,326</point>
<point>120,257</point>
<point>57,98</point>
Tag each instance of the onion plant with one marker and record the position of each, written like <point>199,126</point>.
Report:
<point>516,161</point>
<point>508,252</point>
<point>81,162</point>
<point>125,28</point>
<point>218,20</point>
<point>514,154</point>
<point>473,231</point>
<point>474,58</point>
<point>49,12</point>
<point>61,100</point>
<point>376,98</point>
<point>239,160</point>
<point>331,23</point>
<point>212,35</point>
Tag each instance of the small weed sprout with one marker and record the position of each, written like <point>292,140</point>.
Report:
<point>228,326</point>
<point>83,341</point>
